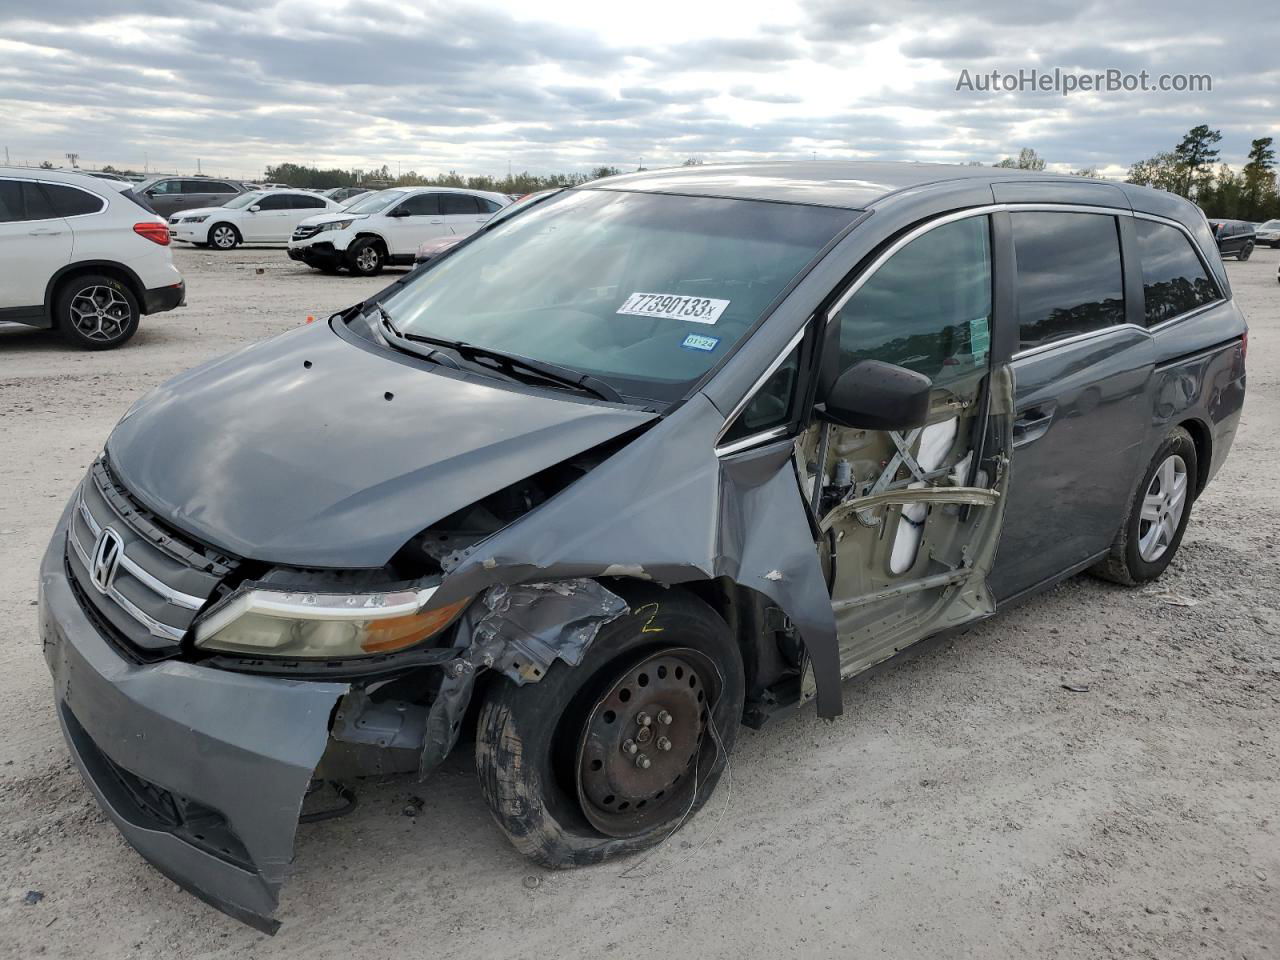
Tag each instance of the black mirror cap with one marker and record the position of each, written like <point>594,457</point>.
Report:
<point>874,395</point>
<point>398,212</point>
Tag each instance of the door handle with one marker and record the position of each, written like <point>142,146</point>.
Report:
<point>44,233</point>
<point>1032,424</point>
<point>437,221</point>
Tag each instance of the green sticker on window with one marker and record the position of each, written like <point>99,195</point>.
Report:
<point>979,337</point>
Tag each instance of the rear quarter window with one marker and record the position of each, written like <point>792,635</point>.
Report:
<point>1174,279</point>
<point>71,202</point>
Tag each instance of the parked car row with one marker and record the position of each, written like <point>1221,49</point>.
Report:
<point>1235,238</point>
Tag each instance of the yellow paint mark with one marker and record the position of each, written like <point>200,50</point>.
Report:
<point>648,624</point>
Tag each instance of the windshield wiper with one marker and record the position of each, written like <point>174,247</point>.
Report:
<point>404,341</point>
<point>513,365</point>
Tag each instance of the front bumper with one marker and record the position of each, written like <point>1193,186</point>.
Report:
<point>318,254</point>
<point>164,298</point>
<point>177,756</point>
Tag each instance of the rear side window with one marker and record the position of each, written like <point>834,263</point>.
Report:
<point>421,205</point>
<point>1070,279</point>
<point>490,206</point>
<point>301,202</point>
<point>1174,279</point>
<point>70,202</point>
<point>215,186</point>
<point>195,186</point>
<point>276,201</point>
<point>928,307</point>
<point>37,202</point>
<point>458,203</point>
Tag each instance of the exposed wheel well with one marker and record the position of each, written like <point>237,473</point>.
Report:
<point>1203,440</point>
<point>370,236</point>
<point>115,271</point>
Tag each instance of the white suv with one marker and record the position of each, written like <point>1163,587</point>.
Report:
<point>387,227</point>
<point>260,216</point>
<point>82,255</point>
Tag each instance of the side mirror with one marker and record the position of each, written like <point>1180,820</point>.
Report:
<point>874,395</point>
<point>255,208</point>
<point>398,212</point>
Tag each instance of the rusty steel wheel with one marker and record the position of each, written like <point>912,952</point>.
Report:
<point>638,755</point>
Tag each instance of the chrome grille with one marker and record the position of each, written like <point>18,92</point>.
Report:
<point>304,232</point>
<point>145,580</point>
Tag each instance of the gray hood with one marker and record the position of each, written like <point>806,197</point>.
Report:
<point>261,455</point>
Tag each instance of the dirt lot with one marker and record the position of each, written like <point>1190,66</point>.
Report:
<point>965,805</point>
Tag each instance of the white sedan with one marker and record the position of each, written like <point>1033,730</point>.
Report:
<point>260,216</point>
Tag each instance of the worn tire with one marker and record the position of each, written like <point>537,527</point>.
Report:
<point>1124,564</point>
<point>76,289</point>
<point>527,736</point>
<point>365,257</point>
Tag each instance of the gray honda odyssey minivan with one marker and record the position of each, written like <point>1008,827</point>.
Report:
<point>654,457</point>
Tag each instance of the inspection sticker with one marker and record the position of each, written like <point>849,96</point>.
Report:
<point>979,337</point>
<point>670,306</point>
<point>696,341</point>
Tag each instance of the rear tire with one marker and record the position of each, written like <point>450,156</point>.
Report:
<point>223,236</point>
<point>1247,252</point>
<point>366,257</point>
<point>1158,514</point>
<point>571,770</point>
<point>96,312</point>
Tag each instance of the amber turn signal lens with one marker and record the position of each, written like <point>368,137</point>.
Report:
<point>396,633</point>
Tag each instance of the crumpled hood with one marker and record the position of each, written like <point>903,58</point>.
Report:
<point>290,451</point>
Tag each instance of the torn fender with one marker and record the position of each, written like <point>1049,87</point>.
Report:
<point>667,508</point>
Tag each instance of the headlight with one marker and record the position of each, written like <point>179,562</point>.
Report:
<point>279,624</point>
<point>336,225</point>
<point>197,219</point>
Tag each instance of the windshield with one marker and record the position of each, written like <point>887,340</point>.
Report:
<point>1271,225</point>
<point>245,199</point>
<point>646,290</point>
<point>374,202</point>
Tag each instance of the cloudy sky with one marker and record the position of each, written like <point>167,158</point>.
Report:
<point>557,86</point>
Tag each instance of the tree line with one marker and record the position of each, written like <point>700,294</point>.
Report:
<point>1191,170</point>
<point>296,175</point>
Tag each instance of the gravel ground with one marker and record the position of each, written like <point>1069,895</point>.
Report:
<point>964,805</point>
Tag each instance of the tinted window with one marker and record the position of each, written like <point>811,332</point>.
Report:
<point>37,203</point>
<point>489,206</point>
<point>1173,278</point>
<point>1069,275</point>
<point>196,186</point>
<point>10,201</point>
<point>276,201</point>
<point>928,307</point>
<point>70,202</point>
<point>772,404</point>
<point>458,203</point>
<point>307,202</point>
<point>421,205</point>
<point>217,186</point>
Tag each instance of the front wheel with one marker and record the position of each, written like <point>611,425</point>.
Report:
<point>612,756</point>
<point>366,257</point>
<point>1157,518</point>
<point>224,236</point>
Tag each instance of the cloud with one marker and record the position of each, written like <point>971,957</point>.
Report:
<point>438,85</point>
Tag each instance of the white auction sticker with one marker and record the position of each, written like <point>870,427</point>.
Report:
<point>671,306</point>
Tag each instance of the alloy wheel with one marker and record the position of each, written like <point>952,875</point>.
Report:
<point>644,743</point>
<point>101,313</point>
<point>223,237</point>
<point>367,259</point>
<point>1162,508</point>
